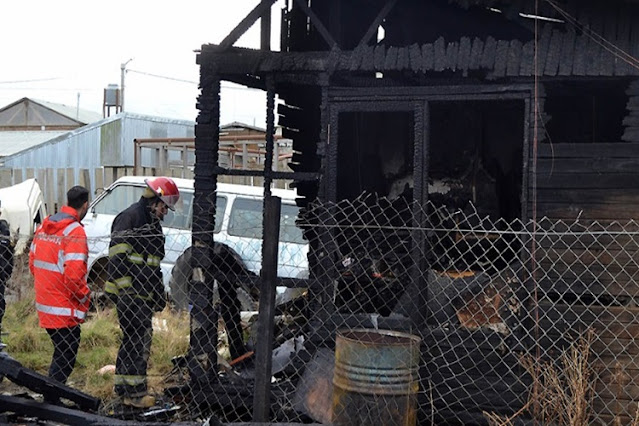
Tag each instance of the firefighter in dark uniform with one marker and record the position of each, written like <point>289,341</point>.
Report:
<point>135,284</point>
<point>6,265</point>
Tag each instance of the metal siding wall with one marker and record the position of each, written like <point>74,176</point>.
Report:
<point>109,144</point>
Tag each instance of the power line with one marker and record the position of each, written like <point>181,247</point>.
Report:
<point>187,81</point>
<point>29,81</point>
<point>162,76</point>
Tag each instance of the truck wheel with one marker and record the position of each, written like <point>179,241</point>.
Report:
<point>179,282</point>
<point>180,286</point>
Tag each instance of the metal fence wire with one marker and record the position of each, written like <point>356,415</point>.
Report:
<point>387,311</point>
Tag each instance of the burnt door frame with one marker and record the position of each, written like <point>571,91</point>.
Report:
<point>417,99</point>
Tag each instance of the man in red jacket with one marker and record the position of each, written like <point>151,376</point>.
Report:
<point>58,262</point>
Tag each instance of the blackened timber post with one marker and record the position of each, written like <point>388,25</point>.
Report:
<point>266,315</point>
<point>202,361</point>
<point>271,232</point>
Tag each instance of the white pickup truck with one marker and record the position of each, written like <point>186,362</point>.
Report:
<point>22,205</point>
<point>238,225</point>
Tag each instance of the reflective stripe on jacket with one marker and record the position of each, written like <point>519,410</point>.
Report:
<point>58,262</point>
<point>135,251</point>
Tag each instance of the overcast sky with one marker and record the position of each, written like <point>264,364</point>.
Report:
<point>55,50</point>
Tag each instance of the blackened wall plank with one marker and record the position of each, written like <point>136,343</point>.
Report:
<point>379,57</point>
<point>567,54</point>
<point>488,56</point>
<point>579,63</point>
<point>593,53</point>
<point>527,59</point>
<point>390,63</point>
<point>428,57</point>
<point>476,53</point>
<point>439,54</point>
<point>501,58</point>
<point>415,57</point>
<point>543,46</point>
<point>463,58</point>
<point>554,53</point>
<point>607,59</point>
<point>514,58</point>
<point>452,50</point>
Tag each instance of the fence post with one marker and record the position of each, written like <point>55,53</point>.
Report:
<point>59,189</point>
<point>266,315</point>
<point>49,191</point>
<point>84,179</point>
<point>99,180</point>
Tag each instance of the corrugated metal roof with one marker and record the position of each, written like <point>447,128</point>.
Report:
<point>12,142</point>
<point>82,115</point>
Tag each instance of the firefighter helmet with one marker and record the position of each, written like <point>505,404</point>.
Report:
<point>166,189</point>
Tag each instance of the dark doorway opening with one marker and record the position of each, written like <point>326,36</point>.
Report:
<point>476,156</point>
<point>375,150</point>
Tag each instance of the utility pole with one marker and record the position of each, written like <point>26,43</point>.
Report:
<point>122,73</point>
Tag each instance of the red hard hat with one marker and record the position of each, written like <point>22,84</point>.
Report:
<point>165,189</point>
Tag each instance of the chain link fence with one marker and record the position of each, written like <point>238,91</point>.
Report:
<point>512,321</point>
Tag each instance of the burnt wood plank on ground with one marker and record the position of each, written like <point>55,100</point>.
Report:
<point>64,415</point>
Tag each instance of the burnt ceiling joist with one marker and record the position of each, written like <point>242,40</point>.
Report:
<point>246,23</point>
<point>372,29</point>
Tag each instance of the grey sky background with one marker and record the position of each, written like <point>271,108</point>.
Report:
<point>68,51</point>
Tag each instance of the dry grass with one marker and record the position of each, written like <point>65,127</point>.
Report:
<point>31,346</point>
<point>560,396</point>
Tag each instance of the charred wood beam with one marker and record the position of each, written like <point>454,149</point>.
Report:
<point>271,231</point>
<point>265,30</point>
<point>67,416</point>
<point>378,20</point>
<point>37,382</point>
<point>261,173</point>
<point>245,80</point>
<point>246,23</point>
<point>317,23</point>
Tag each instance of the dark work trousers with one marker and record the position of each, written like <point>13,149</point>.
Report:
<point>134,317</point>
<point>66,342</point>
<point>2,305</point>
<point>230,310</point>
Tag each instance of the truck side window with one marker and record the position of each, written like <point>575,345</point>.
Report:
<point>183,214</point>
<point>220,208</point>
<point>246,221</point>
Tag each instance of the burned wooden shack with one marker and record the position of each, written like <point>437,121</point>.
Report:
<point>507,110</point>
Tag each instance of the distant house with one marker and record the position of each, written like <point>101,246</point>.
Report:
<point>29,122</point>
<point>62,146</point>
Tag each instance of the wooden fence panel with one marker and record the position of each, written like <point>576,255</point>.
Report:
<point>5,178</point>
<point>17,176</point>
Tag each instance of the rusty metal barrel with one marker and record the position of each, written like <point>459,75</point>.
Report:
<point>375,381</point>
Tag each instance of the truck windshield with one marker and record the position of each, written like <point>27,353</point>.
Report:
<point>122,196</point>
